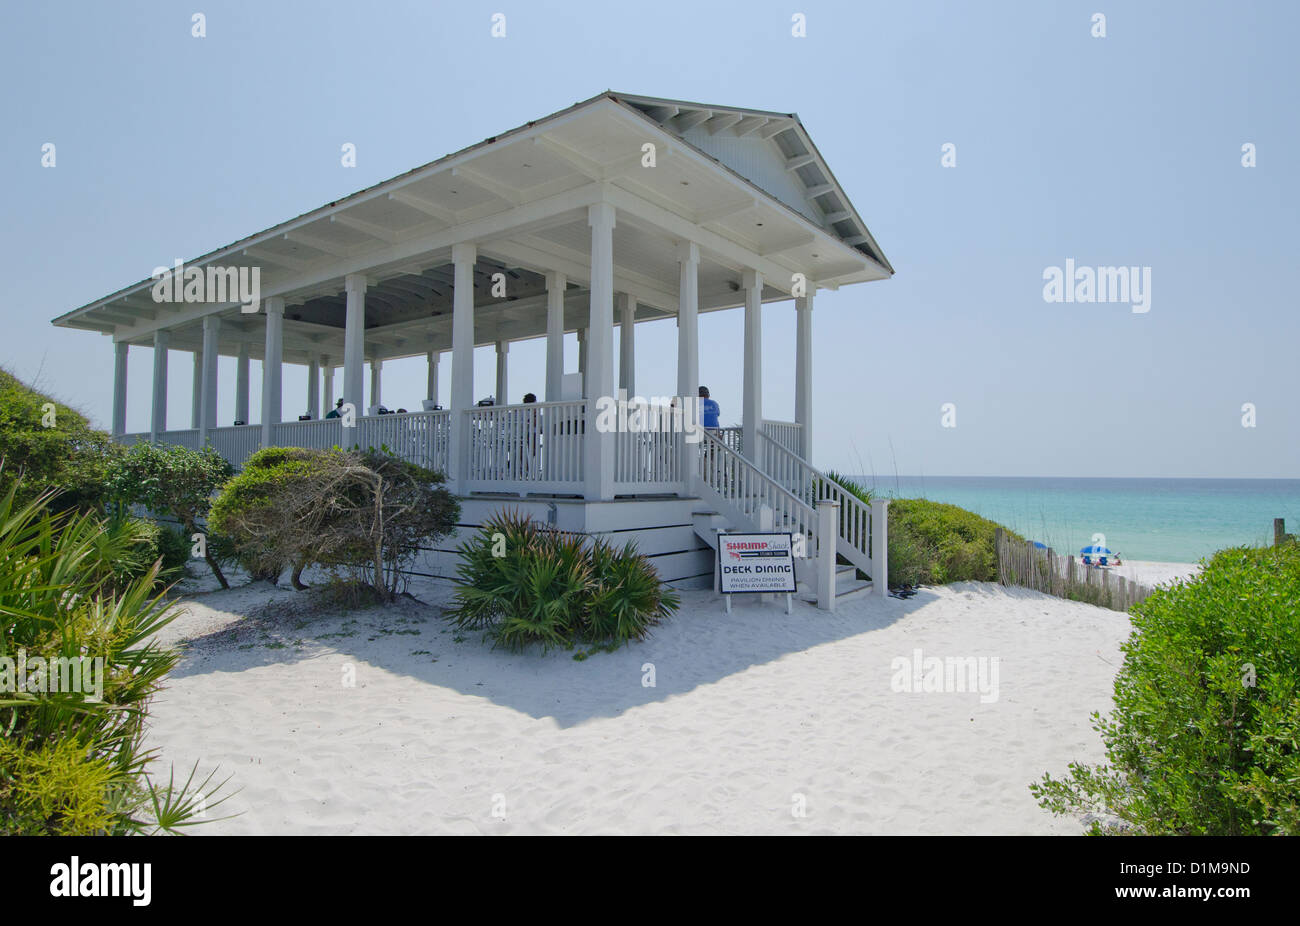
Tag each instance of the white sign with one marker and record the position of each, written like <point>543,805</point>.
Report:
<point>755,563</point>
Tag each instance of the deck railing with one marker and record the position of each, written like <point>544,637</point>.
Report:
<point>526,448</point>
<point>741,490</point>
<point>314,435</point>
<point>787,434</point>
<point>648,461</point>
<point>236,443</point>
<point>800,478</point>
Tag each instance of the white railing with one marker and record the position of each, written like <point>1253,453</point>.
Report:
<point>786,433</point>
<point>732,438</point>
<point>188,437</point>
<point>135,437</point>
<point>798,477</point>
<point>313,435</point>
<point>236,443</point>
<point>418,437</point>
<point>648,461</point>
<point>740,491</point>
<point>526,448</point>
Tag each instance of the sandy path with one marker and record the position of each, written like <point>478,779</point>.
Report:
<point>748,711</point>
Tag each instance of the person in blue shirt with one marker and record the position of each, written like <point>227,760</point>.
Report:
<point>709,410</point>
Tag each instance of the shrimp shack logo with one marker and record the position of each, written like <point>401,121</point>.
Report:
<point>757,563</point>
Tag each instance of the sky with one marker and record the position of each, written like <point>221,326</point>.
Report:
<point>1122,150</point>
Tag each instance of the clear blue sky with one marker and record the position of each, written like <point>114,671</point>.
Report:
<point>1122,150</point>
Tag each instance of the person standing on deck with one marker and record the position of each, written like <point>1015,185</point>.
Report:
<point>709,410</point>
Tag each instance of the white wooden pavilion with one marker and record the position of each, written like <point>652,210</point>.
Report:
<point>618,210</point>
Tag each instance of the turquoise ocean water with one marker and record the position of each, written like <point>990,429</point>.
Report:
<point>1169,520</point>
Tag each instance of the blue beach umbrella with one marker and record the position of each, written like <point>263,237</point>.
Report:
<point>1096,550</point>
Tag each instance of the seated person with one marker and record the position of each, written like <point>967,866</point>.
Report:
<point>334,412</point>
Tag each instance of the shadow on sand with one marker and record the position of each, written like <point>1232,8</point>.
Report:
<point>698,646</point>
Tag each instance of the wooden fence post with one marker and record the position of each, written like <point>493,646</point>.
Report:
<point>1279,531</point>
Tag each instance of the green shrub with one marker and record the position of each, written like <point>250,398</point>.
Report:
<point>1203,737</point>
<point>365,513</point>
<point>523,585</point>
<point>72,762</point>
<point>932,543</point>
<point>940,543</point>
<point>44,444</point>
<point>171,480</point>
<point>175,550</point>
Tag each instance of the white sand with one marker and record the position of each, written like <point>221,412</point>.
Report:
<point>748,711</point>
<point>1152,574</point>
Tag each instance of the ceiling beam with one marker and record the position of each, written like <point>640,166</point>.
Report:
<point>723,122</point>
<point>484,182</point>
<point>386,235</point>
<point>690,119</point>
<point>319,244</point>
<point>427,206</point>
<point>716,213</point>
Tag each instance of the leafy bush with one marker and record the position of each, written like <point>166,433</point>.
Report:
<point>367,513</point>
<point>932,543</point>
<point>45,444</point>
<point>174,550</point>
<point>171,480</point>
<point>524,585</point>
<point>71,759</point>
<point>940,543</point>
<point>1203,737</point>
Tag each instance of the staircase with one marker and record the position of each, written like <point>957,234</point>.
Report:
<point>782,495</point>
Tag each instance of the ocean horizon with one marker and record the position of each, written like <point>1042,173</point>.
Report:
<point>1166,520</point>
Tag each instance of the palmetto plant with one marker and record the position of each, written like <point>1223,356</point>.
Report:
<point>73,762</point>
<point>524,584</point>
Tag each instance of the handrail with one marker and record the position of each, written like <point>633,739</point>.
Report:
<point>799,477</point>
<point>733,482</point>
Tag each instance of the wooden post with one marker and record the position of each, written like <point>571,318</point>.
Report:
<point>828,516</point>
<point>1279,531</point>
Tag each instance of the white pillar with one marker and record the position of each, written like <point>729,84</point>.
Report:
<point>688,316</point>
<point>241,383</point>
<point>688,353</point>
<point>828,519</point>
<point>431,389</point>
<point>272,368</point>
<point>354,343</point>
<point>376,381</point>
<point>327,371</point>
<point>752,402</point>
<point>803,372</point>
<point>598,447</point>
<point>627,343</point>
<point>556,283</point>
<point>462,360</point>
<point>582,358</point>
<point>313,388</point>
<point>208,407</point>
<point>880,546</point>
<point>158,422</point>
<point>503,373</point>
<point>196,389</point>
<point>120,349</point>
